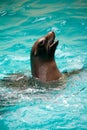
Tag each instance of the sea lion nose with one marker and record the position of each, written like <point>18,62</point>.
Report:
<point>51,34</point>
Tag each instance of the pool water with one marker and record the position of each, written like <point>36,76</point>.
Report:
<point>21,24</point>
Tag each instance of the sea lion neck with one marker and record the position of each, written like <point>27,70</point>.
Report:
<point>44,70</point>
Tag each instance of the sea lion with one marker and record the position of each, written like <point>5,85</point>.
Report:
<point>43,65</point>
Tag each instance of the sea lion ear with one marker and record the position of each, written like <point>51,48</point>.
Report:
<point>35,52</point>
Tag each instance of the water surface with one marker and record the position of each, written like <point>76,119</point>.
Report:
<point>21,24</point>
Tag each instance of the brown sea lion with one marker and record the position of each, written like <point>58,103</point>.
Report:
<point>43,65</point>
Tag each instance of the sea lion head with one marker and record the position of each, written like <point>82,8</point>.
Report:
<point>45,47</point>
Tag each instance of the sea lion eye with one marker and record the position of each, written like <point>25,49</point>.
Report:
<point>41,42</point>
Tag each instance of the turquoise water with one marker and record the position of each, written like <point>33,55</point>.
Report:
<point>21,24</point>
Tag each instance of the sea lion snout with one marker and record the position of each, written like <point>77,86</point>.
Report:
<point>48,39</point>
